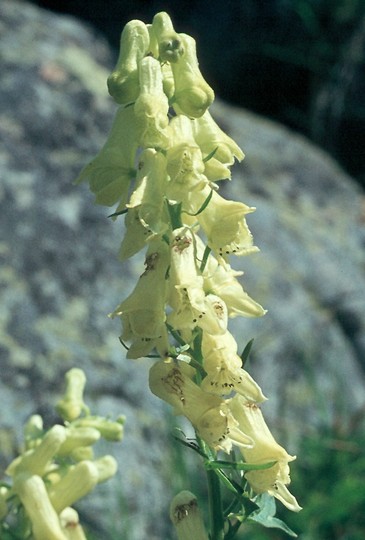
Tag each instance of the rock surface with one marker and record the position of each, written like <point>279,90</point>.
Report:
<point>60,276</point>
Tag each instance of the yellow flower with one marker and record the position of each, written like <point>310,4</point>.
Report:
<point>224,368</point>
<point>265,450</point>
<point>224,224</point>
<point>191,307</point>
<point>185,164</point>
<point>193,95</point>
<point>210,137</point>
<point>111,171</point>
<point>152,105</point>
<point>123,84</point>
<point>143,312</point>
<point>208,413</point>
<point>147,213</point>
<point>220,279</point>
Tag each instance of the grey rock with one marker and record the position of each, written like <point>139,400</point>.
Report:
<point>60,276</point>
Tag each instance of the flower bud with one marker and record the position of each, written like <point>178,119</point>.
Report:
<point>3,504</point>
<point>107,466</point>
<point>193,95</point>
<point>123,84</point>
<point>34,497</point>
<point>186,517</point>
<point>78,481</point>
<point>36,461</point>
<point>170,46</point>
<point>108,429</point>
<point>33,431</point>
<point>78,437</point>
<point>71,527</point>
<point>71,405</point>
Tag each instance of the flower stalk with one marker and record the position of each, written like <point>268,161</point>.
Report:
<point>162,165</point>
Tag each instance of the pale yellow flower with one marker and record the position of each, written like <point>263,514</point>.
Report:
<point>224,368</point>
<point>123,83</point>
<point>220,279</point>
<point>209,414</point>
<point>193,95</point>
<point>191,306</point>
<point>265,450</point>
<point>151,106</point>
<point>143,312</point>
<point>224,224</point>
<point>185,164</point>
<point>111,171</point>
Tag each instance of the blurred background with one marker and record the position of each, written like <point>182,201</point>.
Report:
<point>300,62</point>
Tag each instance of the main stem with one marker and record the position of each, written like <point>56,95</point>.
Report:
<point>215,506</point>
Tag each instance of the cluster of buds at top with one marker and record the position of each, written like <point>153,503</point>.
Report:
<point>58,467</point>
<point>160,166</point>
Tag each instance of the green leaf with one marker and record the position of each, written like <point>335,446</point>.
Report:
<point>238,466</point>
<point>265,515</point>
<point>246,352</point>
<point>203,206</point>
<point>209,156</point>
<point>119,213</point>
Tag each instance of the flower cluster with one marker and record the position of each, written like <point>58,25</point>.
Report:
<point>57,468</point>
<point>160,166</point>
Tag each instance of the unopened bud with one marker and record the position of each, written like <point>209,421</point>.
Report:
<point>72,404</point>
<point>34,497</point>
<point>69,519</point>
<point>36,461</point>
<point>77,482</point>
<point>107,467</point>
<point>123,84</point>
<point>78,437</point>
<point>108,429</point>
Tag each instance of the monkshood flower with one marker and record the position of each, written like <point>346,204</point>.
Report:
<point>70,524</point>
<point>165,43</point>
<point>224,224</point>
<point>224,368</point>
<point>185,165</point>
<point>111,171</point>
<point>221,280</point>
<point>143,312</point>
<point>123,83</point>
<point>211,138</point>
<point>193,95</point>
<point>191,307</point>
<point>151,106</point>
<point>186,518</point>
<point>265,450</point>
<point>209,414</point>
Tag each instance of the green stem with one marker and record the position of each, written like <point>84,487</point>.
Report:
<point>215,506</point>
<point>216,517</point>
